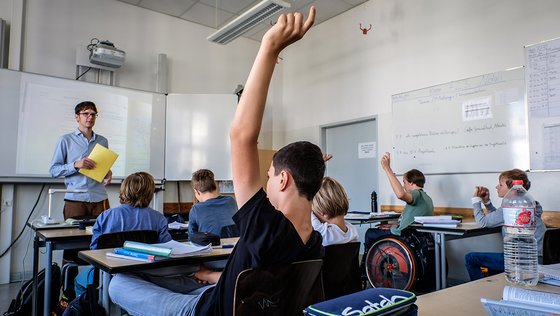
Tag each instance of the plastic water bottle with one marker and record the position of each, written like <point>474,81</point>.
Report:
<point>520,245</point>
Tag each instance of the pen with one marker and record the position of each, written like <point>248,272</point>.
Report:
<point>224,246</point>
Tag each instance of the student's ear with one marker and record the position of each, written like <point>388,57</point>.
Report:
<point>284,180</point>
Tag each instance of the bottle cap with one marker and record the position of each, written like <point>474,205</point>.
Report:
<point>514,182</point>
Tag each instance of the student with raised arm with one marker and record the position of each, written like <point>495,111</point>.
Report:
<point>275,227</point>
<point>411,191</point>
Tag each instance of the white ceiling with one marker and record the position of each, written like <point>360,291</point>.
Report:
<point>216,13</point>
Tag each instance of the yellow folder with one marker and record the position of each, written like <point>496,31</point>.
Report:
<point>104,160</point>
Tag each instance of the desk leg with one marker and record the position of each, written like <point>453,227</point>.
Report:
<point>106,278</point>
<point>48,276</point>
<point>437,246</point>
<point>442,262</point>
<point>35,302</point>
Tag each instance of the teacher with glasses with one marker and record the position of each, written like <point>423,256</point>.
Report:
<point>70,155</point>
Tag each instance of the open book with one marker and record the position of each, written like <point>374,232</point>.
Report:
<point>521,301</point>
<point>171,248</point>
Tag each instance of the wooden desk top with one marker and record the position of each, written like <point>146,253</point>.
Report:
<point>99,259</point>
<point>63,233</point>
<point>464,299</point>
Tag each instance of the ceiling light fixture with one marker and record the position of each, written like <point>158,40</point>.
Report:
<point>247,21</point>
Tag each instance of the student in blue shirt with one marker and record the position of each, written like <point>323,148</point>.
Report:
<point>214,211</point>
<point>70,156</point>
<point>134,213</point>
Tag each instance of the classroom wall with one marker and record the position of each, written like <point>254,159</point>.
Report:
<point>338,74</point>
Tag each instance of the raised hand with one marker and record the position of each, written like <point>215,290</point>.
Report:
<point>288,29</point>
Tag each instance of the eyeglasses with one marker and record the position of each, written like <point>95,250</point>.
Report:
<point>88,114</point>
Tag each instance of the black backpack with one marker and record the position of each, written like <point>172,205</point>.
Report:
<point>87,304</point>
<point>22,304</point>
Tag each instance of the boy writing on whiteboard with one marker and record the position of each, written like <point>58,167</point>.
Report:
<point>275,227</point>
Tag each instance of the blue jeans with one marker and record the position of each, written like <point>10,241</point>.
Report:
<point>493,261</point>
<point>140,297</point>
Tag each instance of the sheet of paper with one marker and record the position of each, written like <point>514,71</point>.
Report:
<point>104,160</point>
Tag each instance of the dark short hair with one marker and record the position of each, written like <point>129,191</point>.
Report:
<point>515,174</point>
<point>203,181</point>
<point>415,176</point>
<point>84,106</point>
<point>304,161</point>
<point>137,189</point>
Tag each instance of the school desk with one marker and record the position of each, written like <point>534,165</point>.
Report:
<point>110,265</point>
<point>464,299</point>
<point>53,237</point>
<point>463,230</point>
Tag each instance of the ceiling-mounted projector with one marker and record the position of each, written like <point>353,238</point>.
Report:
<point>106,54</point>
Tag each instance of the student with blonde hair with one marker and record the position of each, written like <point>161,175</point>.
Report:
<point>329,206</point>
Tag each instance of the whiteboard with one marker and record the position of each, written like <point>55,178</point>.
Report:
<point>36,110</point>
<point>471,125</point>
<point>197,135</point>
<point>542,61</point>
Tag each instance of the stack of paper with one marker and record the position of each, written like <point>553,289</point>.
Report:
<point>551,274</point>
<point>437,221</point>
<point>177,225</point>
<point>358,215</point>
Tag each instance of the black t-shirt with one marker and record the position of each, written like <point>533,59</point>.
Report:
<point>267,238</point>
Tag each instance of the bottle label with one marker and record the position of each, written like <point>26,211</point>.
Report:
<point>523,217</point>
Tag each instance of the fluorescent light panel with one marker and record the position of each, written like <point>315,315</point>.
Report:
<point>247,21</point>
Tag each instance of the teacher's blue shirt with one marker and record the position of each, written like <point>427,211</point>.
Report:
<point>70,148</point>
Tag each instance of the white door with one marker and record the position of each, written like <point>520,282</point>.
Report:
<point>355,161</point>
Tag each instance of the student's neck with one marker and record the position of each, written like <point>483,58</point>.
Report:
<point>338,221</point>
<point>88,132</point>
<point>298,212</point>
<point>208,195</point>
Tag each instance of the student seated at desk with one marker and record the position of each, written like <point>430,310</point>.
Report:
<point>494,261</point>
<point>275,227</point>
<point>136,193</point>
<point>214,211</point>
<point>418,203</point>
<point>329,206</point>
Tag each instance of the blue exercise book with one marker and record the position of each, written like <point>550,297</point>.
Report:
<point>376,301</point>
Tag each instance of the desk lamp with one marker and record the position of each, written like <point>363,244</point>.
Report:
<point>46,219</point>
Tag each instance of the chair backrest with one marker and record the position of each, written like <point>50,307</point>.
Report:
<point>551,251</point>
<point>117,239</point>
<point>341,269</point>
<point>229,231</point>
<point>280,290</point>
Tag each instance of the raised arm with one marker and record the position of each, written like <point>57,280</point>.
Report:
<point>247,121</point>
<point>395,183</point>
